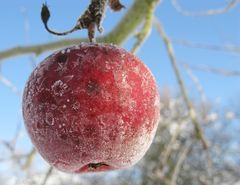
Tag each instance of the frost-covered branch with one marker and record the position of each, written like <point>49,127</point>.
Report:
<point>224,48</point>
<point>230,5</point>
<point>191,111</point>
<point>145,31</point>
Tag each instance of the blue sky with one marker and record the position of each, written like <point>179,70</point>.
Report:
<point>21,25</point>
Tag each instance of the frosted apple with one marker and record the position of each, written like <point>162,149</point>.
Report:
<point>91,107</point>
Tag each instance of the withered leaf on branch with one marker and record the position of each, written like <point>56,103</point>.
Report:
<point>115,5</point>
<point>91,18</point>
<point>45,14</point>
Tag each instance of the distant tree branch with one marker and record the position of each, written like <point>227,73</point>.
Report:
<point>208,69</point>
<point>230,5</point>
<point>182,157</point>
<point>29,158</point>
<point>168,148</point>
<point>197,84</point>
<point>224,48</point>
<point>48,174</point>
<point>198,131</point>
<point>9,84</point>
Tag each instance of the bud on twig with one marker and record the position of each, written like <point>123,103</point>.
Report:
<point>45,14</point>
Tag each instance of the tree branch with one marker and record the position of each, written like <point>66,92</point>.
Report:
<point>230,5</point>
<point>118,35</point>
<point>48,174</point>
<point>29,159</point>
<point>180,161</point>
<point>145,32</point>
<point>192,114</point>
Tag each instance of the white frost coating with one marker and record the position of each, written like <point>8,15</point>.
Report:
<point>121,81</point>
<point>145,82</point>
<point>107,65</point>
<point>126,98</point>
<point>59,88</point>
<point>136,70</point>
<point>123,55</point>
<point>76,47</point>
<point>68,78</point>
<point>39,80</point>
<point>62,67</point>
<point>106,95</point>
<point>132,105</point>
<point>156,102</point>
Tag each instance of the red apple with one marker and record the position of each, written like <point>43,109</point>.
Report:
<point>92,107</point>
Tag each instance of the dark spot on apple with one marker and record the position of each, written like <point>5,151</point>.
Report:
<point>41,125</point>
<point>62,58</point>
<point>84,154</point>
<point>28,105</point>
<point>45,97</point>
<point>63,136</point>
<point>105,51</point>
<point>90,130</point>
<point>92,87</point>
<point>75,138</point>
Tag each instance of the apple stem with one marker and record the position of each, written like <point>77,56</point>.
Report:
<point>95,165</point>
<point>89,20</point>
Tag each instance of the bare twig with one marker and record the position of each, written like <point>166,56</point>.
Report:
<point>48,174</point>
<point>192,114</point>
<point>32,57</point>
<point>13,157</point>
<point>224,48</point>
<point>213,70</point>
<point>158,175</point>
<point>179,163</point>
<point>16,136</point>
<point>230,5</point>
<point>196,83</point>
<point>7,145</point>
<point>29,158</point>
<point>11,145</point>
<point>168,148</point>
<point>9,84</point>
<point>202,180</point>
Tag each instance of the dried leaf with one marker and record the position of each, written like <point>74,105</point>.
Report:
<point>115,5</point>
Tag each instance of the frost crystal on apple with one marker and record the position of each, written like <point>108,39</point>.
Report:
<point>99,113</point>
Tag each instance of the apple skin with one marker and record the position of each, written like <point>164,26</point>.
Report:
<point>91,107</point>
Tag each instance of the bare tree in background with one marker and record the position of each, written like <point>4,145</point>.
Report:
<point>196,142</point>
